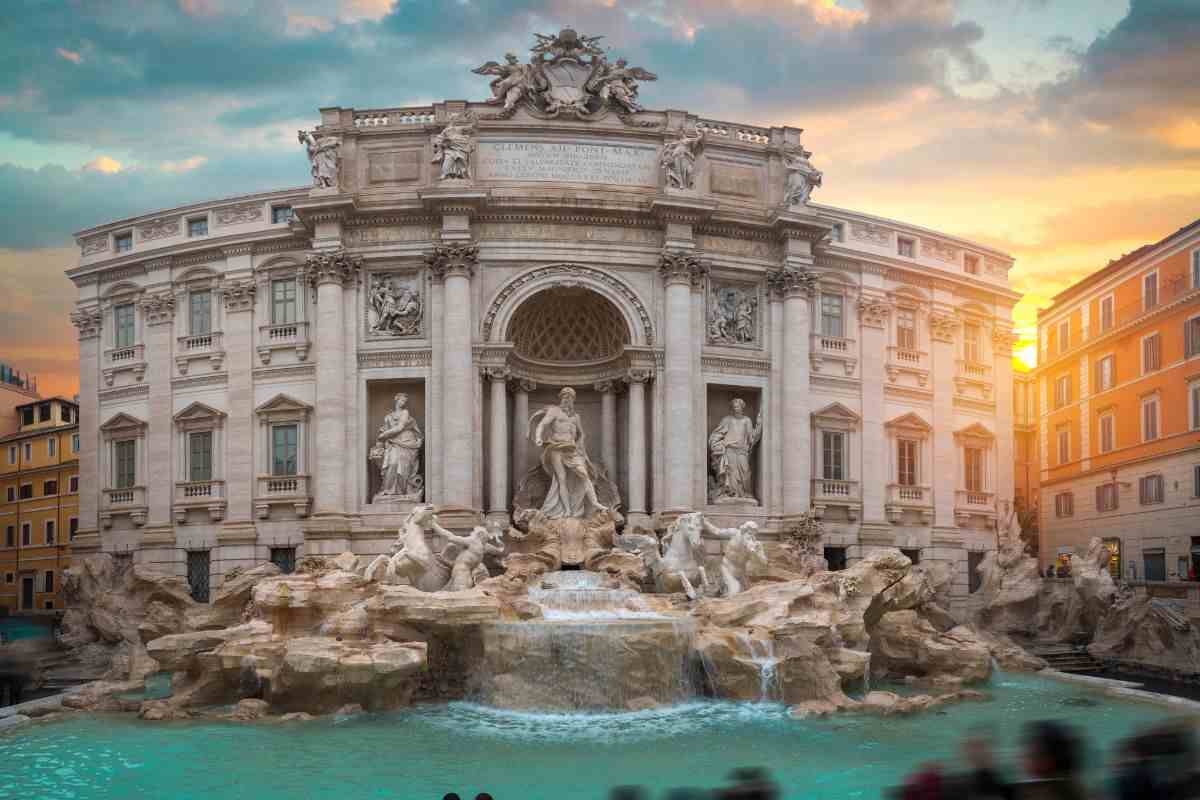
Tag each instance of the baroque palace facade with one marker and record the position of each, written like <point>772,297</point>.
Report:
<point>241,359</point>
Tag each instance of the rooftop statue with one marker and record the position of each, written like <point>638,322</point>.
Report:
<point>802,177</point>
<point>323,156</point>
<point>567,74</point>
<point>453,147</point>
<point>678,159</point>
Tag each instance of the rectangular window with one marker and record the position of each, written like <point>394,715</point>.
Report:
<point>1104,374</point>
<point>971,343</point>
<point>51,447</point>
<point>12,454</point>
<point>906,247</point>
<point>10,533</point>
<point>833,450</point>
<point>1064,444</point>
<point>1064,504</point>
<point>1196,269</point>
<point>43,412</point>
<point>1150,291</point>
<point>198,226</point>
<point>198,574</point>
<point>906,460</point>
<point>1196,481</point>
<point>1106,313</point>
<point>1150,489</point>
<point>73,526</point>
<point>974,578</point>
<point>26,491</point>
<point>1151,353</point>
<point>200,313</point>
<point>123,242</point>
<point>28,448</point>
<point>831,315</point>
<point>48,583</point>
<point>973,466</point>
<point>1149,419</point>
<point>65,413</point>
<point>1191,337</point>
<point>971,265</point>
<point>49,488</point>
<point>1107,498</point>
<point>200,456</point>
<point>1064,336</point>
<point>906,329</point>
<point>27,415</point>
<point>51,533</point>
<point>1062,391</point>
<point>284,558</point>
<point>283,448</point>
<point>74,442</point>
<point>124,464</point>
<point>1108,427</point>
<point>73,484</point>
<point>283,302</point>
<point>1194,405</point>
<point>12,494</point>
<point>281,214</point>
<point>26,534</point>
<point>123,322</point>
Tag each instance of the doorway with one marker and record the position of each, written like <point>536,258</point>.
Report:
<point>1156,564</point>
<point>27,592</point>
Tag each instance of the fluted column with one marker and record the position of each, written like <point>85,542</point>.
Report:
<point>498,446</point>
<point>329,271</point>
<point>679,270</point>
<point>454,265</point>
<point>608,426</point>
<point>796,287</point>
<point>520,436</point>
<point>635,453</point>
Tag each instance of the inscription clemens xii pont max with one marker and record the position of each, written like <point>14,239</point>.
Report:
<point>562,161</point>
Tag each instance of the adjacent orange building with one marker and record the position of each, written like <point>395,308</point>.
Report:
<point>1026,469</point>
<point>1118,382</point>
<point>39,505</point>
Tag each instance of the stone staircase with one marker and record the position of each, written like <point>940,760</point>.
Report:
<point>1066,657</point>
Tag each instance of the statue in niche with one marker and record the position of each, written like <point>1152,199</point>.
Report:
<point>730,445</point>
<point>453,147</point>
<point>398,451</point>
<point>678,159</point>
<point>732,315</point>
<point>802,177</point>
<point>395,307</point>
<point>744,555</point>
<point>572,493</point>
<point>323,156</point>
<point>468,569</point>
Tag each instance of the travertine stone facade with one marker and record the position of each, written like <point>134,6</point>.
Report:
<point>882,380</point>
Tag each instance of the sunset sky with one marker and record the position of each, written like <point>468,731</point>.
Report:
<point>1065,132</point>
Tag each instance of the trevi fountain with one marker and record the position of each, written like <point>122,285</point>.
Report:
<point>568,640</point>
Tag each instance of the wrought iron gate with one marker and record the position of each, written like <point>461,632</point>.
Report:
<point>197,573</point>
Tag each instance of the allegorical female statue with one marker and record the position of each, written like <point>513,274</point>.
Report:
<point>730,445</point>
<point>399,445</point>
<point>452,148</point>
<point>322,156</point>
<point>572,492</point>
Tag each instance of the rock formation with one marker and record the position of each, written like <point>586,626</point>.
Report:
<point>1149,632</point>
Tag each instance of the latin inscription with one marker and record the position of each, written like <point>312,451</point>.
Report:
<point>576,163</point>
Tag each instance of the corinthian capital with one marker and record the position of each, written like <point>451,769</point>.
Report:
<point>680,266</point>
<point>874,312</point>
<point>454,258</point>
<point>792,282</point>
<point>158,308</point>
<point>942,326</point>
<point>88,321</point>
<point>238,295</point>
<point>332,266</point>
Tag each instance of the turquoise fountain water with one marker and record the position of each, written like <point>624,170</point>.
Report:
<point>426,752</point>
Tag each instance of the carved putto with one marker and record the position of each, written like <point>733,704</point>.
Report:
<point>395,306</point>
<point>732,315</point>
<point>678,159</point>
<point>802,177</point>
<point>324,156</point>
<point>452,147</point>
<point>567,74</point>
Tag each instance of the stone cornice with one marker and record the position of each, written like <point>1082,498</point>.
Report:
<point>332,266</point>
<point>454,258</point>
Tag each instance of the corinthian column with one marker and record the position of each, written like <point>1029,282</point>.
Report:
<point>796,286</point>
<point>453,265</point>
<point>89,323</point>
<point>608,426</point>
<point>498,447</point>
<point>679,271</point>
<point>520,436</point>
<point>329,271</point>
<point>635,454</point>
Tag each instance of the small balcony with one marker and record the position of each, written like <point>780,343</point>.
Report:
<point>128,501</point>
<point>968,503</point>
<point>902,498</point>
<point>197,347</point>
<point>282,490</point>
<point>120,359</point>
<point>287,336</point>
<point>205,495</point>
<point>837,349</point>
<point>902,360</point>
<point>827,492</point>
<point>973,376</point>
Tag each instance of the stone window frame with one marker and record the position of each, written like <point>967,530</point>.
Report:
<point>901,241</point>
<point>50,531</point>
<point>404,270</point>
<point>977,436</point>
<point>122,294</point>
<point>1063,343</point>
<point>1062,399</point>
<point>1063,428</point>
<point>847,352</point>
<point>908,298</point>
<point>1064,504</point>
<point>278,207</point>
<point>118,236</point>
<point>191,346</point>
<point>26,534</point>
<point>269,337</point>
<point>836,418</point>
<point>1143,280</point>
<point>1152,489</point>
<point>187,224</point>
<point>1193,401</point>
<point>1143,401</point>
<point>1146,370</point>
<point>968,260</point>
<point>1099,385</point>
<point>119,428</point>
<point>280,410</point>
<point>1111,299</point>
<point>1190,351</point>
<point>199,417</point>
<point>911,426</point>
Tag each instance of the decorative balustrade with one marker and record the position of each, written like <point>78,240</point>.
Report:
<point>394,116</point>
<point>282,490</point>
<point>283,336</point>
<point>741,133</point>
<point>903,497</point>
<point>199,346</point>
<point>968,503</point>
<point>208,495</point>
<point>128,500</point>
<point>973,376</point>
<point>834,348</point>
<point>974,370</point>
<point>906,360</point>
<point>830,492</point>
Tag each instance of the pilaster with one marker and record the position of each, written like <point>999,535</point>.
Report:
<point>88,321</point>
<point>158,313</point>
<point>238,298</point>
<point>875,312</point>
<point>679,269</point>
<point>943,472</point>
<point>796,286</point>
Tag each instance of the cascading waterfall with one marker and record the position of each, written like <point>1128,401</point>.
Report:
<point>595,648</point>
<point>867,675</point>
<point>762,654</point>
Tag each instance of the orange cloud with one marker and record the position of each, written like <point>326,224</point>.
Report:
<point>103,164</point>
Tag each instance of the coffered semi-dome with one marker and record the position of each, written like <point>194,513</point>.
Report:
<point>568,325</point>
